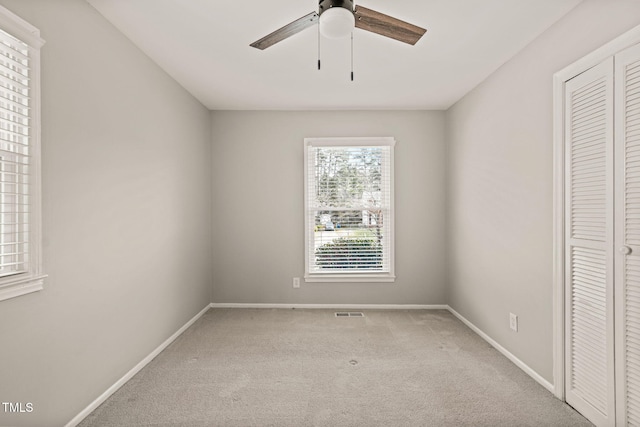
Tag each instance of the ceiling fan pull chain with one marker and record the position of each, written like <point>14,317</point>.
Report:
<point>318,47</point>
<point>351,55</point>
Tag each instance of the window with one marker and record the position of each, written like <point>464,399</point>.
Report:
<point>349,209</point>
<point>20,235</point>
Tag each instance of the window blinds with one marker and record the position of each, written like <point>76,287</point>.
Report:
<point>349,207</point>
<point>14,155</point>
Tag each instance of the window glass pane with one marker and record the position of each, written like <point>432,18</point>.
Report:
<point>348,176</point>
<point>14,154</point>
<point>348,208</point>
<point>348,240</point>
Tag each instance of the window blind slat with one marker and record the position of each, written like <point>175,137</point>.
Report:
<point>7,117</point>
<point>13,45</point>
<point>14,144</point>
<point>4,108</point>
<point>21,242</point>
<point>18,135</point>
<point>7,82</point>
<point>14,75</point>
<point>15,57</point>
<point>11,89</point>
<point>16,100</point>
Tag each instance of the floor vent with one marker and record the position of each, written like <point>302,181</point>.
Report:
<point>349,314</point>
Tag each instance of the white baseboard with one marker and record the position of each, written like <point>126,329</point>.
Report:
<point>335,306</point>
<point>104,396</point>
<point>519,363</point>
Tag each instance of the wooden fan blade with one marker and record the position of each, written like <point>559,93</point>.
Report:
<point>385,25</point>
<point>287,31</point>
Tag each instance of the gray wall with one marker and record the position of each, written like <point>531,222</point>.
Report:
<point>500,184</point>
<point>258,219</point>
<point>127,217</point>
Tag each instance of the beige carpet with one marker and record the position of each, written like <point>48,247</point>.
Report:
<point>263,367</point>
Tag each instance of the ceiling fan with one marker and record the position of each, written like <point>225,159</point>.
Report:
<point>339,17</point>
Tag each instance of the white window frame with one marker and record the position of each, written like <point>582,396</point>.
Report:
<point>308,237</point>
<point>31,280</point>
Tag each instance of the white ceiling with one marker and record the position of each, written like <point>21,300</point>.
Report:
<point>204,45</point>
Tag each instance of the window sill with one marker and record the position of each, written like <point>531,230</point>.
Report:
<point>21,286</point>
<point>342,278</point>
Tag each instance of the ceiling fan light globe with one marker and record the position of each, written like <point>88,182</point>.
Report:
<point>337,22</point>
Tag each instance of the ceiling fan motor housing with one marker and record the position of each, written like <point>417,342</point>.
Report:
<point>325,5</point>
<point>337,18</point>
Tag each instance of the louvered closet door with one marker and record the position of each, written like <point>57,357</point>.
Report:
<point>627,223</point>
<point>589,334</point>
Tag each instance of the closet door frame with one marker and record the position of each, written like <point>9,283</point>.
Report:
<point>560,79</point>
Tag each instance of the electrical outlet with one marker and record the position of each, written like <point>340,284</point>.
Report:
<point>296,282</point>
<point>513,322</point>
